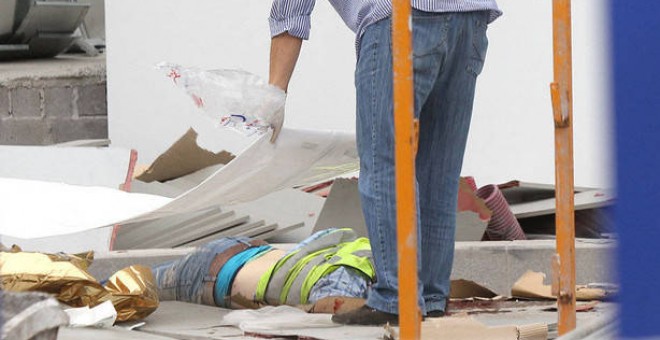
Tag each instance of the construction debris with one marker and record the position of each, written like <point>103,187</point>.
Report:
<point>468,328</point>
<point>30,315</point>
<point>182,158</point>
<point>132,290</point>
<point>531,286</point>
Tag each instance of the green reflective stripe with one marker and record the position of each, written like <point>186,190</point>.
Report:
<point>262,286</point>
<point>293,296</point>
<point>314,258</point>
<point>356,254</point>
<point>278,278</point>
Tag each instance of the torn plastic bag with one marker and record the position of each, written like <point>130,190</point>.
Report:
<point>232,98</point>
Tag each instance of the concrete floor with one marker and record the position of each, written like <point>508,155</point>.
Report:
<point>178,320</point>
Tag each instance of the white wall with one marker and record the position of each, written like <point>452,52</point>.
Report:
<point>512,131</point>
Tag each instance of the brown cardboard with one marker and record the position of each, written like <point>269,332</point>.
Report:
<point>461,327</point>
<point>182,158</point>
<point>465,289</point>
<point>530,285</point>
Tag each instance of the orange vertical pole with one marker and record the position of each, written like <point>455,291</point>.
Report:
<point>562,102</point>
<point>409,314</point>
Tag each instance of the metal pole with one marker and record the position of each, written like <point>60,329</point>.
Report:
<point>562,102</point>
<point>409,314</point>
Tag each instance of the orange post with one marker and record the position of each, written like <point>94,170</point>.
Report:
<point>562,104</point>
<point>404,126</point>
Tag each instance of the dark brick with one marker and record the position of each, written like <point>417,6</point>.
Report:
<point>25,131</point>
<point>4,102</point>
<point>92,100</point>
<point>58,102</point>
<point>64,130</point>
<point>26,102</point>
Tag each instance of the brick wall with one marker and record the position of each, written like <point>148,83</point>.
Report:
<point>41,111</point>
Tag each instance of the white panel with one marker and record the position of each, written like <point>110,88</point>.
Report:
<point>107,167</point>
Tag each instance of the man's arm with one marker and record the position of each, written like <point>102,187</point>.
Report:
<point>284,52</point>
<point>289,25</point>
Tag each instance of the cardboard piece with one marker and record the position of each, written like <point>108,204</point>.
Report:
<point>466,289</point>
<point>182,158</point>
<point>530,285</point>
<point>464,328</point>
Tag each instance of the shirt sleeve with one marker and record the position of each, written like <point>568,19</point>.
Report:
<point>292,16</point>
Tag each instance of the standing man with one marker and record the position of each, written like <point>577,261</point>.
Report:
<point>449,43</point>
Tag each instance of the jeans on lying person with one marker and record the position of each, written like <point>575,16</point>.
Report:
<point>449,52</point>
<point>183,279</point>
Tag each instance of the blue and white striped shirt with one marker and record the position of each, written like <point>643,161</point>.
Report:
<point>293,16</point>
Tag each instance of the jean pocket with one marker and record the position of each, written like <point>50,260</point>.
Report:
<point>479,45</point>
<point>430,33</point>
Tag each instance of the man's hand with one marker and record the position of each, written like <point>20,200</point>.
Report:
<point>284,52</point>
<point>277,124</point>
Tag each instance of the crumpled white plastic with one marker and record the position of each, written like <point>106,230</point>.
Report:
<point>101,316</point>
<point>276,318</point>
<point>234,99</point>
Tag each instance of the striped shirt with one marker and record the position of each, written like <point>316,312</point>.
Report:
<point>293,16</point>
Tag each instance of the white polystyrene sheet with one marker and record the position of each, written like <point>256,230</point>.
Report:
<point>32,209</point>
<point>107,167</point>
<point>298,157</point>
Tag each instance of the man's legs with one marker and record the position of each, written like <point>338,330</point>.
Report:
<point>444,124</point>
<point>375,136</point>
<point>375,139</point>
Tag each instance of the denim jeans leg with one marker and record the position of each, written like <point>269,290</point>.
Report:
<point>444,124</point>
<point>444,90</point>
<point>375,139</point>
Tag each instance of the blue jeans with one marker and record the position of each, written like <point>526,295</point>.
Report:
<point>449,52</point>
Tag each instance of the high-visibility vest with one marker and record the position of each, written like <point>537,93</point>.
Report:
<point>291,279</point>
